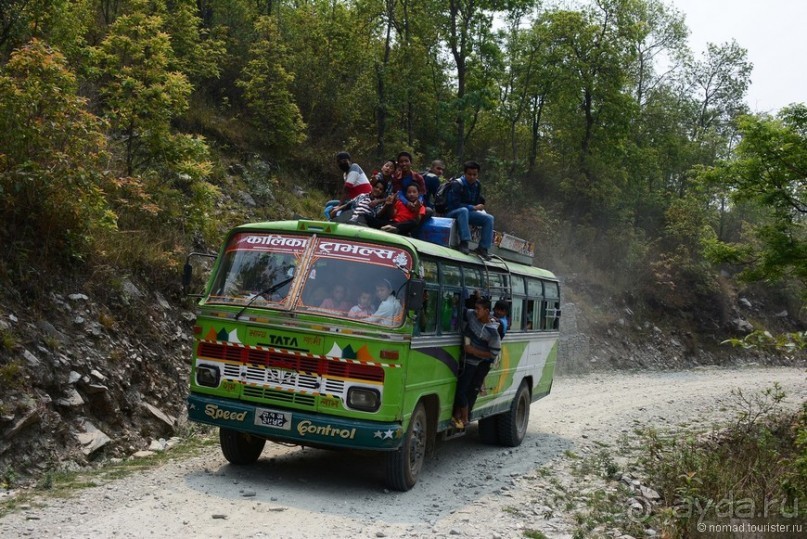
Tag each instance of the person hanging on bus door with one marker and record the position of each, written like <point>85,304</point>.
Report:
<point>500,315</point>
<point>481,343</point>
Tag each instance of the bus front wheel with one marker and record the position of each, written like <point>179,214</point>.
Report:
<point>512,425</point>
<point>239,447</point>
<point>404,465</point>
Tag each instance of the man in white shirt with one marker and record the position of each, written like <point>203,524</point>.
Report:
<point>356,182</point>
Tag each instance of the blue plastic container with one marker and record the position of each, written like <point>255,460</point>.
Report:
<point>439,230</point>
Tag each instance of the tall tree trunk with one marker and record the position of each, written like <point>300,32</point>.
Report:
<point>460,150</point>
<point>537,112</point>
<point>381,73</point>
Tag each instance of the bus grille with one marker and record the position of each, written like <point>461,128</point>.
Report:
<point>304,365</point>
<point>287,379</point>
<point>279,396</point>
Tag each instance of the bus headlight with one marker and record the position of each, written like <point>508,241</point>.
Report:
<point>207,375</point>
<point>362,398</point>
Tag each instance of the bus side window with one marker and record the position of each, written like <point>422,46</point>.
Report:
<point>472,279</point>
<point>535,291</point>
<point>450,275</point>
<point>551,317</point>
<point>551,307</point>
<point>517,311</point>
<point>450,312</point>
<point>427,318</point>
<point>529,323</point>
<point>517,322</point>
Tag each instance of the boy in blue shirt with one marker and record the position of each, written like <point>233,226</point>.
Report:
<point>466,205</point>
<point>481,344</point>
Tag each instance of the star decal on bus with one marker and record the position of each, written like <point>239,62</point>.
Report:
<point>387,434</point>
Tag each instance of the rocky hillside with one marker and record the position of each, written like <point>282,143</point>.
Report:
<point>86,378</point>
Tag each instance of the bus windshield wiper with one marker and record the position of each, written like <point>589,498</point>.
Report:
<point>274,288</point>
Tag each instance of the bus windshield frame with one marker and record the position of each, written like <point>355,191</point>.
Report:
<point>256,262</point>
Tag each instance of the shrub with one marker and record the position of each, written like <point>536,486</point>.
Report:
<point>51,193</point>
<point>758,461</point>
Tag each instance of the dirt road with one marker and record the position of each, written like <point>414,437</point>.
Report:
<point>467,489</point>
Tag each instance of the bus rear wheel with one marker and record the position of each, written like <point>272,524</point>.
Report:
<point>239,447</point>
<point>512,425</point>
<point>404,465</point>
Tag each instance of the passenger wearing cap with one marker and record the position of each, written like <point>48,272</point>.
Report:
<point>389,309</point>
<point>356,182</point>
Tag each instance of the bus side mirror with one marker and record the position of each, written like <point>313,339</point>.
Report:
<point>187,273</point>
<point>414,294</point>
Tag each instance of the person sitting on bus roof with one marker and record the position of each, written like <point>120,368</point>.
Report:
<point>407,216</point>
<point>363,308</point>
<point>337,301</point>
<point>466,205</point>
<point>363,210</point>
<point>356,181</point>
<point>389,309</point>
<point>433,178</point>
<point>481,344</point>
<point>386,175</point>
<point>405,176</point>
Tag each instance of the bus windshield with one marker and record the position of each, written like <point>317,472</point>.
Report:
<point>356,280</point>
<point>345,278</point>
<point>257,265</point>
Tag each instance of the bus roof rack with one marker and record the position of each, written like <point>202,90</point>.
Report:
<point>512,248</point>
<point>443,231</point>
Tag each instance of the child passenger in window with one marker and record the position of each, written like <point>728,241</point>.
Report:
<point>389,310</point>
<point>363,309</point>
<point>337,301</point>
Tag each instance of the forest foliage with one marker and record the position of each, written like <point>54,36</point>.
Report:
<point>598,129</point>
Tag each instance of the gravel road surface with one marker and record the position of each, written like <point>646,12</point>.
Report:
<point>467,489</point>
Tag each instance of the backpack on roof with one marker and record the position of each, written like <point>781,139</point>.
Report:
<point>441,198</point>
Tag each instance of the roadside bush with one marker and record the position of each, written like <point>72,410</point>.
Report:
<point>51,151</point>
<point>752,468</point>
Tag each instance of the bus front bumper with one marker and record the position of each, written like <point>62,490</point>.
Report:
<point>294,426</point>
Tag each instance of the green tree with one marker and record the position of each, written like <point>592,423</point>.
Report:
<point>330,47</point>
<point>52,150</point>
<point>266,82</point>
<point>232,23</point>
<point>770,171</point>
<point>195,52</point>
<point>60,23</point>
<point>466,26</point>
<point>140,94</point>
<point>720,81</point>
<point>592,115</point>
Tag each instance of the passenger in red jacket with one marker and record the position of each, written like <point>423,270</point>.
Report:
<point>409,215</point>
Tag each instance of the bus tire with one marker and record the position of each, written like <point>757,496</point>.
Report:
<point>488,430</point>
<point>512,425</point>
<point>403,466</point>
<point>239,447</point>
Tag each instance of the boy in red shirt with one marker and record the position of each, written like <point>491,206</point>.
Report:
<point>408,216</point>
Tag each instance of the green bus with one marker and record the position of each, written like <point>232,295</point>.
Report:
<point>278,355</point>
